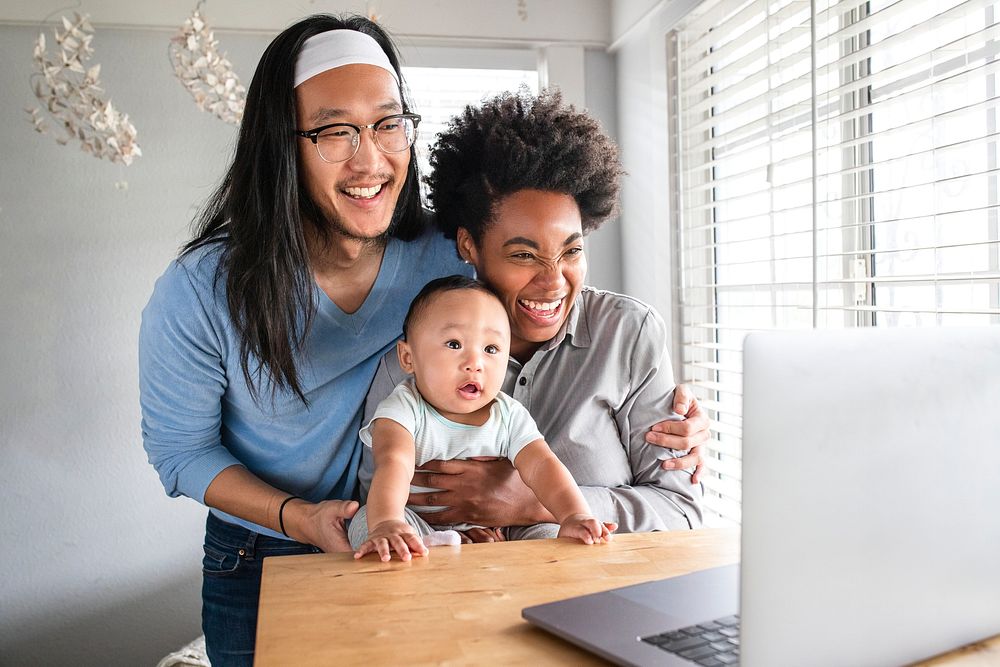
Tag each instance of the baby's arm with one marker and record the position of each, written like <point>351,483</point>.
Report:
<point>556,489</point>
<point>394,454</point>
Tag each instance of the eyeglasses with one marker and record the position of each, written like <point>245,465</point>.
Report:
<point>338,142</point>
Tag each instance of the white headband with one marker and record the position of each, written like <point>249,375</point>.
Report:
<point>336,48</point>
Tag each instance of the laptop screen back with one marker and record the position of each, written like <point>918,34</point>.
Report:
<point>871,486</point>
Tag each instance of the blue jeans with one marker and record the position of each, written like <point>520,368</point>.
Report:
<point>230,588</point>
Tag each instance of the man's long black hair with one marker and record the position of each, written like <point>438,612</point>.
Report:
<point>260,210</point>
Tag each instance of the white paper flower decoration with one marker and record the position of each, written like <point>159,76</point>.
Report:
<point>71,96</point>
<point>206,74</point>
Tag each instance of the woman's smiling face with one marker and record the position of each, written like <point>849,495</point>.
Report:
<point>531,254</point>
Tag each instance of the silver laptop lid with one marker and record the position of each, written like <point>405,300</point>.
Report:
<point>871,492</point>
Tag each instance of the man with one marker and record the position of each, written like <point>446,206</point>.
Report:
<point>260,341</point>
<point>251,379</point>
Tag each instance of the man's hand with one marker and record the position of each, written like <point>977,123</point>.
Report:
<point>320,524</point>
<point>689,434</point>
<point>488,492</point>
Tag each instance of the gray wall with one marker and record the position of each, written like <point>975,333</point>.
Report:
<point>604,246</point>
<point>639,30</point>
<point>98,565</point>
<point>643,134</point>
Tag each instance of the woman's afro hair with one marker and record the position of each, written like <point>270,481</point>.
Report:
<point>514,142</point>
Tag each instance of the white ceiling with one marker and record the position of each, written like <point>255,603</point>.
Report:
<point>539,22</point>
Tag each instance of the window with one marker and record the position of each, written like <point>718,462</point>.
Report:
<point>439,93</point>
<point>836,167</point>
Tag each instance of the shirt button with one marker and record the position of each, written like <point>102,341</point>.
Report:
<point>523,381</point>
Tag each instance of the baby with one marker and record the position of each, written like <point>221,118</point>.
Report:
<point>456,341</point>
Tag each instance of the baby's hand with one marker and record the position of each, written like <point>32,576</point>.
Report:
<point>389,536</point>
<point>586,528</point>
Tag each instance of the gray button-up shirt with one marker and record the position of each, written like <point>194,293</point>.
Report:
<point>594,391</point>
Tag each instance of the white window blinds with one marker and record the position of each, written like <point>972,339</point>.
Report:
<point>836,166</point>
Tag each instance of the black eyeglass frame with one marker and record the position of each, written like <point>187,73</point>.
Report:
<point>313,134</point>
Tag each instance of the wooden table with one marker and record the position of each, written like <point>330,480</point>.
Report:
<point>462,605</point>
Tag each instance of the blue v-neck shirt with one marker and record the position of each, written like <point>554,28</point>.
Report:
<point>198,416</point>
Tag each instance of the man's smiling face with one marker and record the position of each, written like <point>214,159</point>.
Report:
<point>358,196</point>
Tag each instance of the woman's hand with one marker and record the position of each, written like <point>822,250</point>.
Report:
<point>477,535</point>
<point>484,491</point>
<point>687,434</point>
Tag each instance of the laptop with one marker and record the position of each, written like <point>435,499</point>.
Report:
<point>870,526</point>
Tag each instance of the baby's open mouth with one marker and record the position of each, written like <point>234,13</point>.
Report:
<point>470,390</point>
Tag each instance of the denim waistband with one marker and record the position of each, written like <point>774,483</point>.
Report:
<point>238,538</point>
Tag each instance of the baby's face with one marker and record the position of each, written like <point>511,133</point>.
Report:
<point>457,350</point>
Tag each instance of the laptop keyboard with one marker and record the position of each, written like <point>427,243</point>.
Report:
<point>708,644</point>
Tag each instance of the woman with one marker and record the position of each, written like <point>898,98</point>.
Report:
<point>518,183</point>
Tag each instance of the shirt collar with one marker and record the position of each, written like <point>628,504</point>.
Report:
<point>575,327</point>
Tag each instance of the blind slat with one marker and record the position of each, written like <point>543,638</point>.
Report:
<point>726,487</point>
<point>991,105</point>
<point>728,468</point>
<point>853,181</point>
<point>731,448</point>
<point>979,277</point>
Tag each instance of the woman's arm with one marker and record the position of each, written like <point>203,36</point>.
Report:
<point>490,492</point>
<point>655,498</point>
<point>631,364</point>
<point>485,492</point>
<point>687,434</point>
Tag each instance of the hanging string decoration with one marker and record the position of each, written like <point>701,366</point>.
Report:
<point>71,96</point>
<point>207,74</point>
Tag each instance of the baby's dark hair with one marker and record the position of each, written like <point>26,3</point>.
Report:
<point>519,141</point>
<point>437,286</point>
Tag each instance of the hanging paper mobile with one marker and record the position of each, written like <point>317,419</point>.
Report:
<point>206,74</point>
<point>70,95</point>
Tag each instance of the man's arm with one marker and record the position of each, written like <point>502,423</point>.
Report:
<point>239,492</point>
<point>181,385</point>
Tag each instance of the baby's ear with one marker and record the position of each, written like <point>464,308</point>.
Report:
<point>405,356</point>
